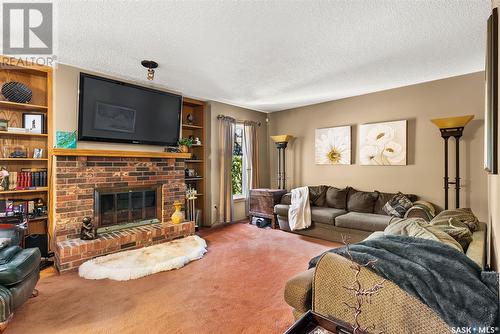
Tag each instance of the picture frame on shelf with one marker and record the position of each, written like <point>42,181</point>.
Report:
<point>37,153</point>
<point>4,124</point>
<point>34,122</point>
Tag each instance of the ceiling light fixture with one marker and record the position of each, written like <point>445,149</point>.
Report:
<point>150,65</point>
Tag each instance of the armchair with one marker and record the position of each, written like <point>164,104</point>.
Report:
<point>19,271</point>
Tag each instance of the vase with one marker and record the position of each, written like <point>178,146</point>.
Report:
<point>177,216</point>
<point>184,148</point>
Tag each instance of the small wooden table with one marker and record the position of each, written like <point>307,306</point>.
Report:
<point>262,202</point>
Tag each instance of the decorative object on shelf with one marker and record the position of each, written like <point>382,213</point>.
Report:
<point>177,216</point>
<point>17,130</point>
<point>383,144</point>
<point>150,65</point>
<point>190,172</point>
<point>65,139</point>
<point>189,119</point>
<point>452,127</point>
<point>4,124</point>
<point>15,151</point>
<point>12,180</point>
<point>197,141</point>
<point>4,179</point>
<point>40,207</point>
<point>172,149</point>
<point>88,231</point>
<point>185,144</point>
<point>281,144</point>
<point>34,122</point>
<point>16,92</point>
<point>333,146</point>
<point>37,153</point>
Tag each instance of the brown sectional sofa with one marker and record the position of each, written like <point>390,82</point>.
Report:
<point>335,212</point>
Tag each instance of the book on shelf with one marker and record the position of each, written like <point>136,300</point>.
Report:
<point>31,178</point>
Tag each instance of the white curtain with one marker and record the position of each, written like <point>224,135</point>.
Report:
<point>250,159</point>
<point>225,154</point>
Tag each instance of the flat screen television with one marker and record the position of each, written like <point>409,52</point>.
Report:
<point>115,111</point>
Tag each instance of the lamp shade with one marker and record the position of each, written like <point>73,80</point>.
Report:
<point>452,122</point>
<point>281,138</point>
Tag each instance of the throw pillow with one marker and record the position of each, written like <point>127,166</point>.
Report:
<point>398,205</point>
<point>336,198</point>
<point>317,195</point>
<point>383,198</point>
<point>361,201</point>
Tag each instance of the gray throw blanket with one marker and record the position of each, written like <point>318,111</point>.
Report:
<point>440,276</point>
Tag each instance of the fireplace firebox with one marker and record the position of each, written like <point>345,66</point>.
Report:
<point>120,208</point>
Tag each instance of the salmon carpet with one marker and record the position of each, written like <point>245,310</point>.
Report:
<point>236,288</point>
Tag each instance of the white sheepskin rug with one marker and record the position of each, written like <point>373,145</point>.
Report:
<point>132,264</point>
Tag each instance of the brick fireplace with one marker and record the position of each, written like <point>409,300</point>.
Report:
<point>79,180</point>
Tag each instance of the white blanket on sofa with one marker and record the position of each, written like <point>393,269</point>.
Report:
<point>299,215</point>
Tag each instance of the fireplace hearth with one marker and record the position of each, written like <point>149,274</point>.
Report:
<point>133,193</point>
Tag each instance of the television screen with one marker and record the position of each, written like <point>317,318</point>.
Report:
<point>115,111</point>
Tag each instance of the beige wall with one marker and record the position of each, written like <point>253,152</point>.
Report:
<point>418,104</point>
<point>66,108</point>
<point>217,108</point>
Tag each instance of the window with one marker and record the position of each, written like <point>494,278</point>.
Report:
<point>237,163</point>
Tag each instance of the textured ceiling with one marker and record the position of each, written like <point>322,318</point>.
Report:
<point>275,55</point>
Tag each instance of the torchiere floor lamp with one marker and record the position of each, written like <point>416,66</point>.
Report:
<point>281,144</point>
<point>452,127</point>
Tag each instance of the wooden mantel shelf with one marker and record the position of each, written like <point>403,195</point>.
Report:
<point>114,153</point>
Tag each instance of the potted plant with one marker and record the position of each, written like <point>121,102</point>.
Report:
<point>185,144</point>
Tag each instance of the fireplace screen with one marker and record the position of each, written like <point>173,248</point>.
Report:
<point>123,206</point>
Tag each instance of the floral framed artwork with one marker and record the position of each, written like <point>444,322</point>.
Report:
<point>333,146</point>
<point>383,144</point>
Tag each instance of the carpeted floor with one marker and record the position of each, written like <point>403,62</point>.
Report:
<point>236,288</point>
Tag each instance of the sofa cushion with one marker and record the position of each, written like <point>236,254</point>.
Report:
<point>21,265</point>
<point>281,209</point>
<point>383,198</point>
<point>361,201</point>
<point>337,198</point>
<point>317,195</point>
<point>363,221</point>
<point>325,215</point>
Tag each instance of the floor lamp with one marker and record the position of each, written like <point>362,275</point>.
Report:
<point>452,127</point>
<point>281,144</point>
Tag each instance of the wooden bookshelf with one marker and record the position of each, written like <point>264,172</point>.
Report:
<point>39,80</point>
<point>25,191</point>
<point>197,129</point>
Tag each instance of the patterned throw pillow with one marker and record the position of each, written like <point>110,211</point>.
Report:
<point>398,205</point>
